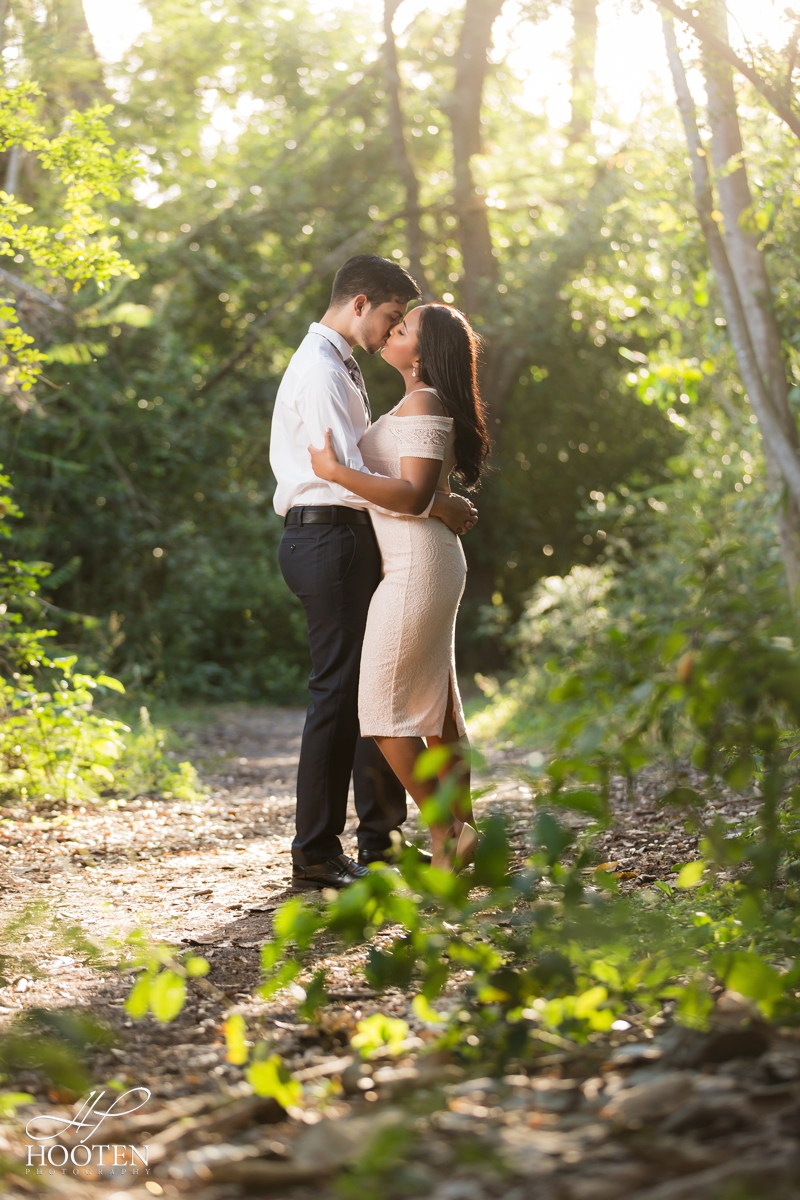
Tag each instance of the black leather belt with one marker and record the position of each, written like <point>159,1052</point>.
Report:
<point>325,514</point>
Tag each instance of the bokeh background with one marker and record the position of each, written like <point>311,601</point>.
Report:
<point>526,161</point>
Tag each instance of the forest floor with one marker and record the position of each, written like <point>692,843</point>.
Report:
<point>658,1119</point>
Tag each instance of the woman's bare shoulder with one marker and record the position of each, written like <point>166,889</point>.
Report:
<point>422,404</point>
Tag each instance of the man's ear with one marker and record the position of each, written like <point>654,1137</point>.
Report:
<point>359,304</point>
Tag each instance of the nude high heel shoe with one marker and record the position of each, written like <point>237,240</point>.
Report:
<point>466,847</point>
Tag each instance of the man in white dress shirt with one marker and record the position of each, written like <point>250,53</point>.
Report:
<point>330,560</point>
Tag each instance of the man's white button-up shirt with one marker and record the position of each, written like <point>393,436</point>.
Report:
<point>315,394</point>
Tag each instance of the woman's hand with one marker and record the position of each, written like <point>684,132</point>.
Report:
<point>457,512</point>
<point>324,462</point>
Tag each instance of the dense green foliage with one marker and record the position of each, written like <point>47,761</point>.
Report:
<point>53,744</point>
<point>626,606</point>
<point>265,146</point>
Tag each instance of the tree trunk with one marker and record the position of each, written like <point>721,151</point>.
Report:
<point>780,101</point>
<point>12,171</point>
<point>584,88</point>
<point>783,464</point>
<point>400,155</point>
<point>3,19</point>
<point>749,265</point>
<point>67,40</point>
<point>464,110</point>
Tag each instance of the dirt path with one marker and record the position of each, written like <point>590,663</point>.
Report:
<point>209,874</point>
<point>206,874</point>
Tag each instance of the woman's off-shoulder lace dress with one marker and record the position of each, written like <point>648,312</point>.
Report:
<point>408,659</point>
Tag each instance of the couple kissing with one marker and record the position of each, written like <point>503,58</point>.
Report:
<point>371,549</point>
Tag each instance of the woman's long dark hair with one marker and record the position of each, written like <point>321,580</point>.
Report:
<point>448,362</point>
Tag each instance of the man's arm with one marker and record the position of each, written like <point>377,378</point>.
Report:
<point>323,404</point>
<point>409,494</point>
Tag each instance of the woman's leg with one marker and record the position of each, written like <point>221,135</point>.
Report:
<point>402,753</point>
<point>457,770</point>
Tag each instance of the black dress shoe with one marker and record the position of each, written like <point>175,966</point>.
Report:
<point>335,873</point>
<point>365,857</point>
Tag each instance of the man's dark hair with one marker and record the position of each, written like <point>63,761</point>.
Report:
<point>379,279</point>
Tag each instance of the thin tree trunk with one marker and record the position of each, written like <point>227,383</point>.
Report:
<point>584,87</point>
<point>711,41</point>
<point>12,170</point>
<point>780,453</point>
<point>400,155</point>
<point>68,40</point>
<point>749,265</point>
<point>747,260</point>
<point>3,18</point>
<point>464,110</point>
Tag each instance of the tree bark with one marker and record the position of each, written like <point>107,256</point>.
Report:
<point>68,40</point>
<point>780,442</point>
<point>584,87</point>
<point>749,265</point>
<point>711,41</point>
<point>400,155</point>
<point>403,165</point>
<point>464,111</point>
<point>3,19</point>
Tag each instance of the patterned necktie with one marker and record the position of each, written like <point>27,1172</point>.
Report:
<point>354,371</point>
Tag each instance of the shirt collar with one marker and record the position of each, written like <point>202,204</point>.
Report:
<point>336,340</point>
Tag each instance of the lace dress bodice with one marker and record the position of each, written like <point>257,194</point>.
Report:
<point>394,436</point>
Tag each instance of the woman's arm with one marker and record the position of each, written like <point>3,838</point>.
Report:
<point>410,494</point>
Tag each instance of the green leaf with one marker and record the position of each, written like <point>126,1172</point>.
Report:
<point>296,922</point>
<point>316,997</point>
<point>379,1033</point>
<point>271,953</point>
<point>288,971</point>
<point>109,682</point>
<point>746,972</point>
<point>167,995</point>
<point>137,315</point>
<point>11,1101</point>
<point>571,689</point>
<point>590,1000</point>
<point>423,1011</point>
<point>269,1077</point>
<point>196,966</point>
<point>580,800</point>
<point>492,855</point>
<point>694,1003</point>
<point>71,353</point>
<point>138,1001</point>
<point>632,355</point>
<point>691,874</point>
<point>235,1035</point>
<point>432,762</point>
<point>552,836</point>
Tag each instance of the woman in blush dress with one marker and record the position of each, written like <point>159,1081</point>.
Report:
<point>408,692</point>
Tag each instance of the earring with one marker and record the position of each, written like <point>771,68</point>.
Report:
<point>413,372</point>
